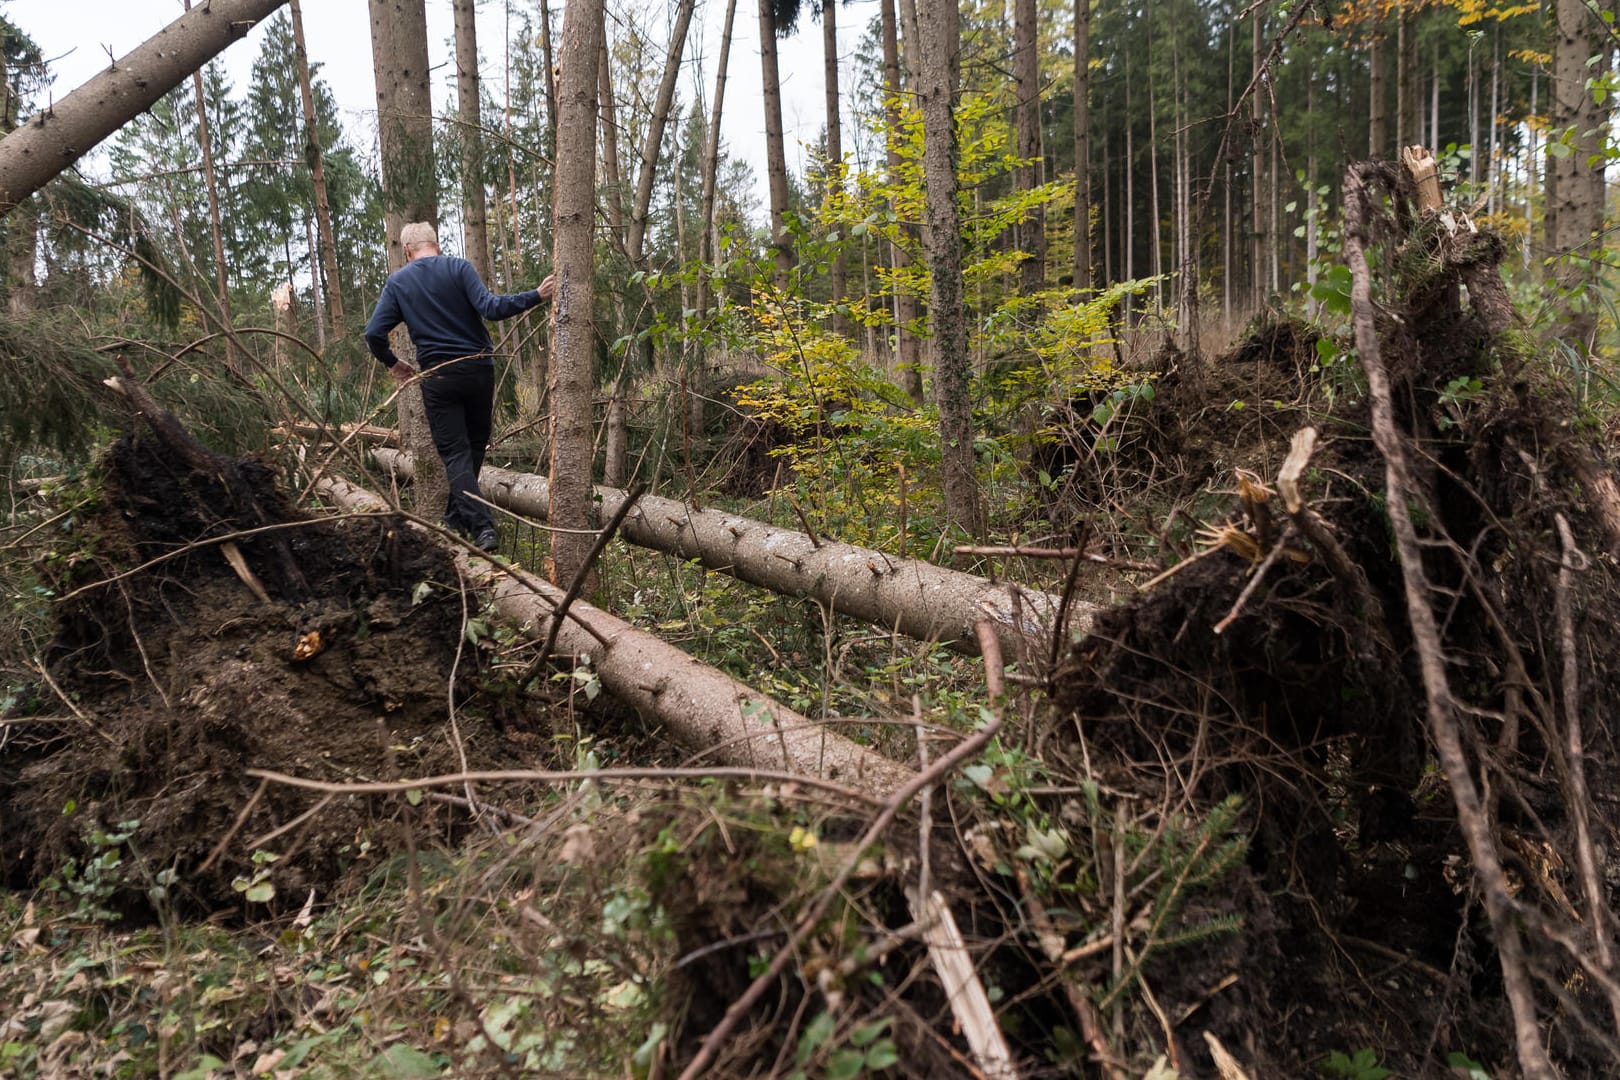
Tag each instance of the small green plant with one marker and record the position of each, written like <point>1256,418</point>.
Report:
<point>257,887</point>
<point>101,875</point>
<point>1362,1065</point>
<point>866,1050</point>
<point>1456,396</point>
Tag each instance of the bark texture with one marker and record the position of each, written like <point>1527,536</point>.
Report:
<point>54,139</point>
<point>941,59</point>
<point>1027,88</point>
<point>701,707</point>
<point>835,145</point>
<point>222,285</point>
<point>711,160</point>
<point>775,148</point>
<point>316,160</point>
<point>399,56</point>
<point>474,204</point>
<point>572,360</point>
<point>1574,182</point>
<point>916,598</point>
<point>908,349</point>
<point>1082,144</point>
<point>653,141</point>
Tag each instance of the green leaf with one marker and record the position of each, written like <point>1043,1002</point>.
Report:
<point>868,1033</point>
<point>882,1056</point>
<point>815,1033</point>
<point>401,1060</point>
<point>641,1062</point>
<point>260,892</point>
<point>413,796</point>
<point>420,592</point>
<point>845,1065</point>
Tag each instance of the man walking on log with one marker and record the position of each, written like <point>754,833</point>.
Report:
<point>442,302</point>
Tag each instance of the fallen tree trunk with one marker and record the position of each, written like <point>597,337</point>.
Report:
<point>913,597</point>
<point>56,137</point>
<point>702,708</point>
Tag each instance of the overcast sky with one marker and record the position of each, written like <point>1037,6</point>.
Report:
<point>76,34</point>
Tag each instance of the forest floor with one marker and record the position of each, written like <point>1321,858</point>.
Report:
<point>1213,829</point>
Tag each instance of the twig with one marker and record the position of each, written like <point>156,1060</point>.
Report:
<point>1499,905</point>
<point>1255,579</point>
<point>1053,553</point>
<point>236,826</point>
<point>1573,562</point>
<point>739,1008</point>
<point>450,702</point>
<point>552,777</point>
<point>69,702</point>
<point>283,830</point>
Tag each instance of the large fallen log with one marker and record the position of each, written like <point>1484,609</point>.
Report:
<point>916,598</point>
<point>702,708</point>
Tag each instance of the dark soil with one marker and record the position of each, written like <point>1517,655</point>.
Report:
<point>1360,925</point>
<point>186,680</point>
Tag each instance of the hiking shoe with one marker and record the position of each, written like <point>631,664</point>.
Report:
<point>487,539</point>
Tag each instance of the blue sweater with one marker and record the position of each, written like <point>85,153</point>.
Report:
<point>442,303</point>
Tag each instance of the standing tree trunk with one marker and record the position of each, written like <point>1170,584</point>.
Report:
<point>410,190</point>
<point>317,170</point>
<point>940,61</point>
<point>1027,114</point>
<point>1257,126</point>
<point>711,164</point>
<point>73,126</point>
<point>652,143</point>
<point>775,150</point>
<point>612,178</point>
<point>1377,97</point>
<point>474,206</point>
<point>22,228</point>
<point>1575,178</point>
<point>1406,81</point>
<point>835,148</point>
<point>222,286</point>
<point>22,250</point>
<point>1082,144</point>
<point>550,79</point>
<point>906,309</point>
<point>572,359</point>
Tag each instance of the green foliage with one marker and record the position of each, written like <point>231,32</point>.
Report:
<point>1362,1065</point>
<point>826,1050</point>
<point>95,880</point>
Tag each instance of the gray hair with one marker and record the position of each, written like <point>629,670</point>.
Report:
<point>418,232</point>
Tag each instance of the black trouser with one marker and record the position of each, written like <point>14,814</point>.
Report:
<point>459,397</point>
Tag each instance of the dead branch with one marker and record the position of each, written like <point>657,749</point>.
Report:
<point>1499,906</point>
